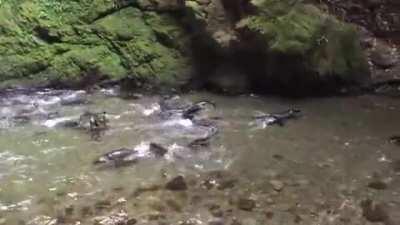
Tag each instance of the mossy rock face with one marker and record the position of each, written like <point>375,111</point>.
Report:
<point>318,46</point>
<point>59,40</point>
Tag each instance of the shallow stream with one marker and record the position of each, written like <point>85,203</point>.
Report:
<point>317,169</point>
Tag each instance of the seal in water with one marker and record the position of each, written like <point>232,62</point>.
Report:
<point>126,156</point>
<point>190,112</point>
<point>118,157</point>
<point>98,123</point>
<point>278,118</point>
<point>204,141</point>
<point>157,149</point>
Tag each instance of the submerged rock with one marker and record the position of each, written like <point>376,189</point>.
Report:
<point>373,211</point>
<point>246,204</point>
<point>177,184</point>
<point>378,185</point>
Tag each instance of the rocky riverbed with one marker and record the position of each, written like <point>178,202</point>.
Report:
<point>333,165</point>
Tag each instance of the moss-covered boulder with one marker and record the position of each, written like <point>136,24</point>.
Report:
<point>56,40</point>
<point>303,46</point>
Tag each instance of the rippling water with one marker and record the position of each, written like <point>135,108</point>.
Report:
<point>324,158</point>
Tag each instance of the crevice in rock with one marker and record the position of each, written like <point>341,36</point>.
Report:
<point>44,34</point>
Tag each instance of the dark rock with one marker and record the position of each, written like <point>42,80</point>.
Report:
<point>226,184</point>
<point>395,140</point>
<point>157,149</point>
<point>69,210</point>
<point>269,215</point>
<point>86,211</point>
<point>373,211</point>
<point>156,216</point>
<point>246,204</point>
<point>131,221</point>
<point>102,204</point>
<point>278,157</point>
<point>216,210</point>
<point>378,185</point>
<point>174,205</point>
<point>177,184</point>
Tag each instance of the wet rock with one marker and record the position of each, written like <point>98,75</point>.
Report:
<point>277,185</point>
<point>373,211</point>
<point>378,185</point>
<point>383,56</point>
<point>120,218</point>
<point>131,221</point>
<point>177,184</point>
<point>246,204</point>
<point>395,140</point>
<point>43,220</point>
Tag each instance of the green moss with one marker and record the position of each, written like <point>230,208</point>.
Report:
<point>63,40</point>
<point>70,65</point>
<point>326,46</point>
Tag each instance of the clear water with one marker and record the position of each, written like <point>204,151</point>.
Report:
<point>325,159</point>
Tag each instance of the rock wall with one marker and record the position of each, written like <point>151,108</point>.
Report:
<point>228,44</point>
<point>93,39</point>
